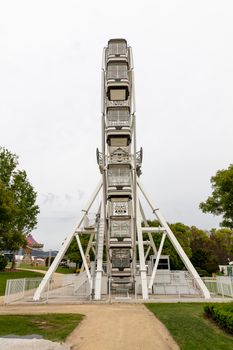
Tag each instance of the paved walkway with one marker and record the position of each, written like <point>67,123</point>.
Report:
<point>108,326</point>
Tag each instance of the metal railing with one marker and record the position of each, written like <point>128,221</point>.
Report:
<point>83,291</point>
<point>77,287</point>
<point>175,283</point>
<point>120,179</point>
<point>118,117</point>
<point>122,292</point>
<point>18,289</point>
<point>64,286</point>
<point>220,285</point>
<point>119,122</point>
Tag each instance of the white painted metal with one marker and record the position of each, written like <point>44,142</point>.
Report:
<point>102,83</point>
<point>153,229</point>
<point>118,159</point>
<point>100,248</point>
<point>147,252</point>
<point>141,254</point>
<point>64,247</point>
<point>84,260</point>
<point>119,172</point>
<point>157,261</point>
<point>177,246</point>
<point>148,230</point>
<point>133,106</point>
<point>136,208</point>
<point>17,289</point>
<point>92,234</point>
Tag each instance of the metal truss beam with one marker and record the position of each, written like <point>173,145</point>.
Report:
<point>64,247</point>
<point>176,245</point>
<point>100,248</point>
<point>92,235</point>
<point>157,260</point>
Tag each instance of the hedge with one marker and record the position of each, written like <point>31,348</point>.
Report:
<point>222,314</point>
<point>3,262</point>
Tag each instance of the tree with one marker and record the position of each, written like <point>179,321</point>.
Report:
<point>73,253</point>
<point>18,208</point>
<point>221,200</point>
<point>7,205</point>
<point>203,257</point>
<point>3,262</point>
<point>222,245</point>
<point>182,233</point>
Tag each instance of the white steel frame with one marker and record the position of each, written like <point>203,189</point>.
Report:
<point>138,230</point>
<point>64,248</point>
<point>168,232</point>
<point>146,288</point>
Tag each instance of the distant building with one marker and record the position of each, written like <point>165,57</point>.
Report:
<point>227,270</point>
<point>27,251</point>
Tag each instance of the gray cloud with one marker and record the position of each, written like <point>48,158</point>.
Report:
<point>50,99</point>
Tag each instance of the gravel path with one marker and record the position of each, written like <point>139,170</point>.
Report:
<point>108,326</point>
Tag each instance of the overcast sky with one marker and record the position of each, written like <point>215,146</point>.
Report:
<point>50,100</point>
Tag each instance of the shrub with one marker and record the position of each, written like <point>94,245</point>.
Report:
<point>3,262</point>
<point>202,273</point>
<point>222,314</point>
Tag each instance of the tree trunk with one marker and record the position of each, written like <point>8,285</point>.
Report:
<point>13,262</point>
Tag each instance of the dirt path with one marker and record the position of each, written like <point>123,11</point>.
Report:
<point>108,326</point>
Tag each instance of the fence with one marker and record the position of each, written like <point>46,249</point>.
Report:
<point>76,287</point>
<point>65,286</point>
<point>220,285</point>
<point>18,289</point>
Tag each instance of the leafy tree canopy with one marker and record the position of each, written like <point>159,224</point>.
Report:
<point>222,245</point>
<point>18,208</point>
<point>73,253</point>
<point>221,200</point>
<point>183,235</point>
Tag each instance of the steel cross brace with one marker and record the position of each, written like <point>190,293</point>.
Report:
<point>176,245</point>
<point>64,248</point>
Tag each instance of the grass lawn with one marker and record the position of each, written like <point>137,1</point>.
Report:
<point>51,326</point>
<point>4,276</point>
<point>189,327</point>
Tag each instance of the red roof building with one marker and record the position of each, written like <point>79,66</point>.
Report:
<point>32,243</point>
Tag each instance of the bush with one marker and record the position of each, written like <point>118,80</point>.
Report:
<point>3,262</point>
<point>202,273</point>
<point>222,314</point>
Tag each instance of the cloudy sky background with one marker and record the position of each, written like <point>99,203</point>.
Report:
<point>50,100</point>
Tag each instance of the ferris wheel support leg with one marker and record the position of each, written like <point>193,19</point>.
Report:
<point>141,254</point>
<point>100,248</point>
<point>64,248</point>
<point>177,246</point>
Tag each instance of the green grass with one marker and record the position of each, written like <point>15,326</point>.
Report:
<point>4,276</point>
<point>189,327</point>
<point>54,327</point>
